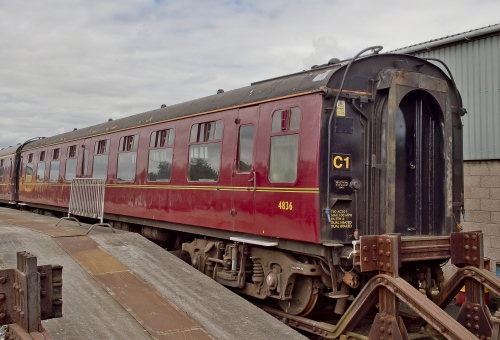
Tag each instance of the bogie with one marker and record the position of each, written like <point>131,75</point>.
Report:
<point>259,272</point>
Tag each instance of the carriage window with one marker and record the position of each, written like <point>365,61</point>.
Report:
<point>29,169</point>
<point>1,170</point>
<point>284,146</point>
<point>160,155</point>
<point>85,162</point>
<point>40,171</point>
<point>204,132</point>
<point>127,158</point>
<point>162,138</point>
<point>128,143</point>
<point>54,166</point>
<point>204,158</point>
<point>72,151</point>
<point>245,149</point>
<point>71,163</point>
<point>40,167</point>
<point>101,147</point>
<point>100,165</point>
<point>286,120</point>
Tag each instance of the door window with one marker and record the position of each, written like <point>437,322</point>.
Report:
<point>245,149</point>
<point>284,151</point>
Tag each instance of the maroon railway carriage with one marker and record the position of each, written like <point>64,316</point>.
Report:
<point>7,174</point>
<point>266,187</point>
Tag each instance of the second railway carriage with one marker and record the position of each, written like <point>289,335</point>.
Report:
<point>267,187</point>
<point>8,173</point>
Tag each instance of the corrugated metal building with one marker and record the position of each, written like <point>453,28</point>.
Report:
<point>474,60</point>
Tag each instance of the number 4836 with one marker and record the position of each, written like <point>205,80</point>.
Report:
<point>285,205</point>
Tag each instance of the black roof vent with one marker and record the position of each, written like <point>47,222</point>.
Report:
<point>74,129</point>
<point>110,119</point>
<point>163,105</point>
<point>220,91</point>
<point>333,61</point>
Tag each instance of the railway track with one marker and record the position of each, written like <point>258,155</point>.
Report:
<point>387,292</point>
<point>323,324</point>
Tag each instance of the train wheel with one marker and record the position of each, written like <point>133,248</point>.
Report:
<point>303,298</point>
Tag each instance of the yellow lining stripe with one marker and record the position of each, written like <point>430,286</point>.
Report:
<point>45,184</point>
<point>188,187</point>
<point>7,155</point>
<point>215,188</point>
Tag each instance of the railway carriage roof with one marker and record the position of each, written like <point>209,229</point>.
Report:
<point>302,82</point>
<point>8,151</point>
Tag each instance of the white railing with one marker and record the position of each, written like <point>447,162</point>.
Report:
<point>87,200</point>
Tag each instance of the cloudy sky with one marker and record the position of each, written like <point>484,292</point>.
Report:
<point>68,64</point>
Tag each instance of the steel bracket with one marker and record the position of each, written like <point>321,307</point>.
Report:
<point>387,327</point>
<point>473,317</point>
<point>380,253</point>
<point>29,294</point>
<point>467,248</point>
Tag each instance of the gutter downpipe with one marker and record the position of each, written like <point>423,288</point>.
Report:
<point>17,166</point>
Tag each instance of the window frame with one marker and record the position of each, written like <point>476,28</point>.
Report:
<point>1,170</point>
<point>29,162</point>
<point>128,146</point>
<point>239,149</point>
<point>40,171</point>
<point>286,128</point>
<point>101,149</point>
<point>71,159</point>
<point>161,140</point>
<point>55,157</point>
<point>205,135</point>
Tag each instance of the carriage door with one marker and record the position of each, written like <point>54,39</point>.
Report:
<point>244,177</point>
<point>419,165</point>
<point>415,189</point>
<point>83,159</point>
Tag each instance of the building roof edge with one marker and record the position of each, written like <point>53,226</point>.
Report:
<point>455,39</point>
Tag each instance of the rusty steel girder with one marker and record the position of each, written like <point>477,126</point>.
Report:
<point>383,254</point>
<point>29,294</point>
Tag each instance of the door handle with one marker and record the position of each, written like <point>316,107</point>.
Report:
<point>254,180</point>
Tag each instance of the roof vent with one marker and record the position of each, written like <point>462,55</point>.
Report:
<point>74,129</point>
<point>220,91</point>
<point>110,119</point>
<point>163,105</point>
<point>333,61</point>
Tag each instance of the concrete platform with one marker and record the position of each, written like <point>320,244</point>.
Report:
<point>122,286</point>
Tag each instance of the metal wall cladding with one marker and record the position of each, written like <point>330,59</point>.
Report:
<point>475,65</point>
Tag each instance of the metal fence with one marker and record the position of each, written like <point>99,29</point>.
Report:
<point>87,200</point>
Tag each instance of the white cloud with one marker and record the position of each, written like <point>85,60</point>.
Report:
<point>72,63</point>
